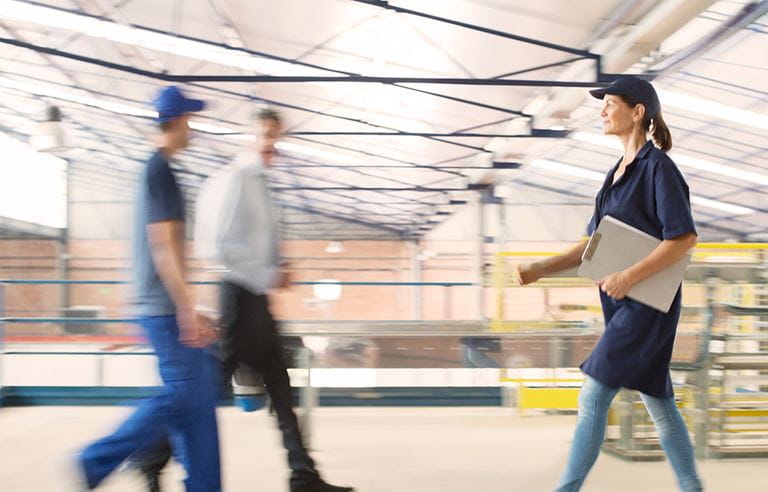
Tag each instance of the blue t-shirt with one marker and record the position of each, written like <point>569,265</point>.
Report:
<point>158,199</point>
<point>636,347</point>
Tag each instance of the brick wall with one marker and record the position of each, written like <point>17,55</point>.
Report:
<point>386,261</point>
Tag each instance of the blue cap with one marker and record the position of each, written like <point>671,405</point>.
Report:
<point>636,90</point>
<point>171,103</point>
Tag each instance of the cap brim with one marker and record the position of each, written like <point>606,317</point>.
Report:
<point>193,105</point>
<point>601,92</point>
<point>598,93</point>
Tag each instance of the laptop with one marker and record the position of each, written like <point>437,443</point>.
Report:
<point>615,246</point>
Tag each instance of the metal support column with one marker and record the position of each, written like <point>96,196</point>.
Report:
<point>626,419</point>
<point>480,255</point>
<point>62,267</point>
<point>500,265</point>
<point>448,303</point>
<point>700,413</point>
<point>417,312</point>
<point>2,343</point>
<point>62,255</point>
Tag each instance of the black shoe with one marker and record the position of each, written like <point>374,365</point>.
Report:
<point>150,473</point>
<point>319,486</point>
<point>149,463</point>
<point>152,477</point>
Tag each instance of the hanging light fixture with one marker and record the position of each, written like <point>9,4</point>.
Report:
<point>334,247</point>
<point>49,136</point>
<point>328,289</point>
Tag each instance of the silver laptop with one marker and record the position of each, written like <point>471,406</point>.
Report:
<point>615,246</point>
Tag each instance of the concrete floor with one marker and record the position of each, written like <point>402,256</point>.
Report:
<point>376,450</point>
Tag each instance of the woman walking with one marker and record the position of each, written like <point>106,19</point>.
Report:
<point>647,191</point>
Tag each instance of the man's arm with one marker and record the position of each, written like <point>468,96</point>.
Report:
<point>167,255</point>
<point>166,244</point>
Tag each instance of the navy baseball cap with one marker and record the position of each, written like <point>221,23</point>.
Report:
<point>171,103</point>
<point>636,90</point>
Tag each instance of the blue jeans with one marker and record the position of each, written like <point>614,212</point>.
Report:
<point>185,409</point>
<point>594,400</point>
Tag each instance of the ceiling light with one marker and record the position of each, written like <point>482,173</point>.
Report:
<point>334,247</point>
<point>569,170</point>
<point>49,136</point>
<point>683,160</point>
<point>51,91</point>
<point>723,207</point>
<point>328,290</point>
<point>331,157</point>
<point>429,253</point>
<point>713,109</point>
<point>157,41</point>
<point>595,139</point>
<point>713,167</point>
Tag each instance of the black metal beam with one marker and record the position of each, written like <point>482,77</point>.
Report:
<point>535,133</point>
<point>362,188</point>
<point>296,79</point>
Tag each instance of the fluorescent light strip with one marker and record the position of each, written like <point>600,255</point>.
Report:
<point>114,107</point>
<point>715,168</point>
<point>681,159</point>
<point>331,157</point>
<point>567,169</point>
<point>45,16</point>
<point>70,96</point>
<point>119,108</point>
<point>714,109</point>
<point>722,206</point>
<point>595,139</point>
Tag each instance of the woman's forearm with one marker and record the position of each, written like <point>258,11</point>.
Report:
<point>665,255</point>
<point>564,261</point>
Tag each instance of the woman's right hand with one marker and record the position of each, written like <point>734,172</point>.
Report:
<point>527,273</point>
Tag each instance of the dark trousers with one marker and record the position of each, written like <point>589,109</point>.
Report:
<point>250,336</point>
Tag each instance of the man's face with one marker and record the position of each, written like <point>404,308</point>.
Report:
<point>268,132</point>
<point>180,132</point>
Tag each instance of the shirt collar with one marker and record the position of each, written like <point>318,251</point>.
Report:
<point>641,154</point>
<point>644,150</point>
<point>250,162</point>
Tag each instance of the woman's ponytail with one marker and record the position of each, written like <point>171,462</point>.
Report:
<point>660,133</point>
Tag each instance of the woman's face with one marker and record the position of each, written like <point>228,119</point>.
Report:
<point>618,116</point>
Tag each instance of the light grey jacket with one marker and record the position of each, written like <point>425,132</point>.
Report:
<point>237,224</point>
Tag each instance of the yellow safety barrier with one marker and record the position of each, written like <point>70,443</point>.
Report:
<point>700,246</point>
<point>741,412</point>
<point>531,254</point>
<point>502,278</point>
<point>732,246</point>
<point>685,400</point>
<point>545,397</point>
<point>505,379</point>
